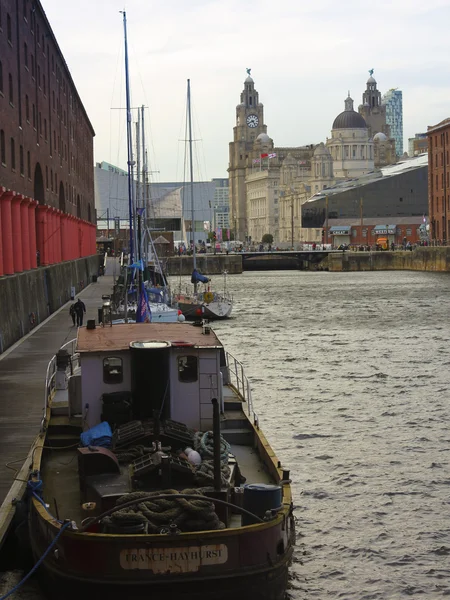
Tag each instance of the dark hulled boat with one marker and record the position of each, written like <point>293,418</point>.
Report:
<point>129,512</point>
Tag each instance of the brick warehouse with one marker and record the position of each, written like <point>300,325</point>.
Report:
<point>439,180</point>
<point>47,209</point>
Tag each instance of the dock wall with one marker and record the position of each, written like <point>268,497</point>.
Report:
<point>421,259</point>
<point>208,264</point>
<point>27,299</point>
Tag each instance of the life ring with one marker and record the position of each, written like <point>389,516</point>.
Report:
<point>32,318</point>
<point>208,297</point>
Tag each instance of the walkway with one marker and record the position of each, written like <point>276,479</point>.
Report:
<point>22,379</point>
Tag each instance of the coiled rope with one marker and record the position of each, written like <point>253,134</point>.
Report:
<point>155,513</point>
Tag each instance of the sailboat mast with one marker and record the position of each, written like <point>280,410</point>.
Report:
<point>130,141</point>
<point>191,167</point>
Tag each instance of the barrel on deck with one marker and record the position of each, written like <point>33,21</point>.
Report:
<point>258,499</point>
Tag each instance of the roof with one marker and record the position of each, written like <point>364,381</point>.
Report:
<point>349,119</point>
<point>374,222</point>
<point>418,162</point>
<point>119,337</point>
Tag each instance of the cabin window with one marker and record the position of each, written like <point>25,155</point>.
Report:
<point>187,368</point>
<point>112,370</point>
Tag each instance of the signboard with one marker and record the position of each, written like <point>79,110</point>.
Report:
<point>340,232</point>
<point>173,560</point>
<point>117,226</point>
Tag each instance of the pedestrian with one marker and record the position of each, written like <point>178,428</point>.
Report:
<point>72,313</point>
<point>80,309</point>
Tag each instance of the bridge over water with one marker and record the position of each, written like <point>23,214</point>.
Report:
<point>283,259</point>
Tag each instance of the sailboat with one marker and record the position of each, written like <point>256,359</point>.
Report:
<point>201,303</point>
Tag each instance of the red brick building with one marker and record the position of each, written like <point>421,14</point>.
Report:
<point>353,232</point>
<point>439,180</point>
<point>46,147</point>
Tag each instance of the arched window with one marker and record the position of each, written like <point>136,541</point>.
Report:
<point>1,77</point>
<point>2,147</point>
<point>13,154</point>
<point>9,28</point>
<point>11,90</point>
<point>22,166</point>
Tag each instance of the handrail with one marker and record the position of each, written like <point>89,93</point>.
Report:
<point>50,377</point>
<point>238,379</point>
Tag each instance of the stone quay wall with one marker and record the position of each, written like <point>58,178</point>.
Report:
<point>28,298</point>
<point>207,264</point>
<point>421,259</point>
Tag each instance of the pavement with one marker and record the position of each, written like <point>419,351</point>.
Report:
<point>23,368</point>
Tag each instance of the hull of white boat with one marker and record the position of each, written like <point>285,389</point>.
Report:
<point>202,310</point>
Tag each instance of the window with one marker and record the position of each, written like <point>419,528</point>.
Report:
<point>27,109</point>
<point>112,370</point>
<point>2,147</point>
<point>25,55</point>
<point>1,78</point>
<point>408,231</point>
<point>9,29</point>
<point>29,165</point>
<point>13,154</point>
<point>22,166</point>
<point>11,92</point>
<point>187,369</point>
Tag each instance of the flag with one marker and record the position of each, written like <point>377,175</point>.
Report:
<point>143,313</point>
<point>273,155</point>
<point>228,234</point>
<point>264,155</point>
<point>256,161</point>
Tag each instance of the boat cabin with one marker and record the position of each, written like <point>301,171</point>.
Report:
<point>134,371</point>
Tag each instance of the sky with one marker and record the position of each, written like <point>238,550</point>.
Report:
<point>304,58</point>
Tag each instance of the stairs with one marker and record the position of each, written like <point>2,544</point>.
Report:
<point>235,427</point>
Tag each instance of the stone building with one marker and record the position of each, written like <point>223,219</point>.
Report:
<point>439,180</point>
<point>375,113</point>
<point>349,145</point>
<point>252,151</point>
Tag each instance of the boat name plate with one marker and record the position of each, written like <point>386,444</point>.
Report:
<point>173,560</point>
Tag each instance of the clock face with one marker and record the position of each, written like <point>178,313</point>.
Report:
<point>252,121</point>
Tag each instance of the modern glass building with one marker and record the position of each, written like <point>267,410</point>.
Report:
<point>393,99</point>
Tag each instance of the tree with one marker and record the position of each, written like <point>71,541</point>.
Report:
<point>267,238</point>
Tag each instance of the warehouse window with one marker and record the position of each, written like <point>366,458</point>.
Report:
<point>2,147</point>
<point>187,368</point>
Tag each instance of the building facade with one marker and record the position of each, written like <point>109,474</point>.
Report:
<point>393,101</point>
<point>418,144</point>
<point>46,147</point>
<point>373,232</point>
<point>350,146</point>
<point>439,180</point>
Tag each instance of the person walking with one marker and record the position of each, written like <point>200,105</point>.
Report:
<point>80,309</point>
<point>72,313</point>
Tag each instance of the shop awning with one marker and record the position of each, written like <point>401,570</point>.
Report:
<point>380,229</point>
<point>340,230</point>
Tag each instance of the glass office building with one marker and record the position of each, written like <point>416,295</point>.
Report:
<point>393,99</point>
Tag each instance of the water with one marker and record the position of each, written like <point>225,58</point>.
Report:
<point>350,378</point>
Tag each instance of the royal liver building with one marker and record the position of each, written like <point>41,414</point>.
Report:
<point>268,185</point>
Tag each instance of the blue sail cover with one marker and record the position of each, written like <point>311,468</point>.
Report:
<point>198,277</point>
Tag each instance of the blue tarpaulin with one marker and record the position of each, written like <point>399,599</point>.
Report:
<point>100,435</point>
<point>196,277</point>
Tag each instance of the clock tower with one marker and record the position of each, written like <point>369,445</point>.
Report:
<point>249,124</point>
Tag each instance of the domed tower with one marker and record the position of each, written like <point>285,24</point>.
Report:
<point>350,146</point>
<point>372,109</point>
<point>249,125</point>
<point>321,169</point>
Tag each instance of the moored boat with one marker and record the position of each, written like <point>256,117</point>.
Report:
<point>121,502</point>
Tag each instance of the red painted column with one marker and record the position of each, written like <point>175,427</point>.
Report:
<point>17,233</point>
<point>72,237</point>
<point>7,235</point>
<point>2,191</point>
<point>32,228</point>
<point>51,235</point>
<point>79,239</point>
<point>63,236</point>
<point>25,234</point>
<point>59,218</point>
<point>42,233</point>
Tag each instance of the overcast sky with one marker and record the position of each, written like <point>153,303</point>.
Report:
<point>304,57</point>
